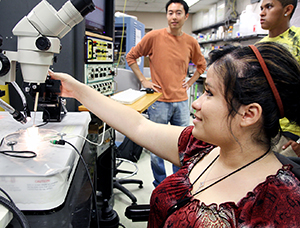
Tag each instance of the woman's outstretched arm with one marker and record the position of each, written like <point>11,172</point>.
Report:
<point>160,139</point>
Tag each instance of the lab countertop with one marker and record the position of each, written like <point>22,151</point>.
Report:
<point>40,183</point>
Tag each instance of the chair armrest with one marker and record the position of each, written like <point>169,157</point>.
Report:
<point>138,213</point>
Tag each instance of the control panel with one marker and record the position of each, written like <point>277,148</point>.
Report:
<point>98,50</point>
<point>99,70</point>
<point>104,87</point>
<point>96,72</point>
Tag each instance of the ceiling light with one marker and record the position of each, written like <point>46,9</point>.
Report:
<point>191,2</point>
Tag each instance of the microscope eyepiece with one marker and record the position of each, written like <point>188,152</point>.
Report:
<point>84,6</point>
<point>4,65</point>
<point>87,10</point>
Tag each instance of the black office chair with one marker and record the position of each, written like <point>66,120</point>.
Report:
<point>132,151</point>
<point>118,182</point>
<point>128,152</point>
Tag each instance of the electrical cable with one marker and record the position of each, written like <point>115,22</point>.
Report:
<point>42,124</point>
<point>231,13</point>
<point>120,224</point>
<point>129,175</point>
<point>62,142</point>
<point>91,142</point>
<point>10,205</point>
<point>19,153</point>
<point>2,140</point>
<point>111,136</point>
<point>47,121</point>
<point>33,153</point>
<point>6,194</point>
<point>103,135</point>
<point>122,37</point>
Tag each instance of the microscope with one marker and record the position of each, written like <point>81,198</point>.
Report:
<point>38,36</point>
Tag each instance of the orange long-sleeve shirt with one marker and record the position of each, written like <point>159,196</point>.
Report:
<point>169,57</point>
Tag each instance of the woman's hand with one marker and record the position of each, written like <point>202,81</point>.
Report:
<point>69,84</point>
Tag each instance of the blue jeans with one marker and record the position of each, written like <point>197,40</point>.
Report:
<point>175,113</point>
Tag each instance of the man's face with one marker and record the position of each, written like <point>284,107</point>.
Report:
<point>272,14</point>
<point>176,16</point>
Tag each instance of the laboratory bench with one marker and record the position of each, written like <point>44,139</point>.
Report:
<point>53,188</point>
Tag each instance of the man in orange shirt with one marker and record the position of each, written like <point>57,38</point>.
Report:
<point>170,50</point>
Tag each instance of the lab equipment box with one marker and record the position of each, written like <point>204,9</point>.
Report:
<point>126,39</point>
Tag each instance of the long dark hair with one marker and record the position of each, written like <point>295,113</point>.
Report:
<point>245,83</point>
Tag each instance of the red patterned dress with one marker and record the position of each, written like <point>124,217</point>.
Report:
<point>273,203</point>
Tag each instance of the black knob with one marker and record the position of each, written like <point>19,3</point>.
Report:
<point>5,65</point>
<point>43,43</point>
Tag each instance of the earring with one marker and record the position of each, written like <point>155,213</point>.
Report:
<point>285,15</point>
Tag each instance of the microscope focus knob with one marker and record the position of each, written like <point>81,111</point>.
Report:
<point>4,65</point>
<point>43,43</point>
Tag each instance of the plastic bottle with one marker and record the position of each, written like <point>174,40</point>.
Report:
<point>213,34</point>
<point>236,29</point>
<point>229,32</point>
<point>248,21</point>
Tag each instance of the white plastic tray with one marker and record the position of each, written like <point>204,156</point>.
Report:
<point>41,183</point>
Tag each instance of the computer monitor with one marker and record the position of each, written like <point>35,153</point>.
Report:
<point>95,21</point>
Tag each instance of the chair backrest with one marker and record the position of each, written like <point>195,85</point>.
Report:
<point>147,72</point>
<point>126,79</point>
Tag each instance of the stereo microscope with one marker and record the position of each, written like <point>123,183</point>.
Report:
<point>38,36</point>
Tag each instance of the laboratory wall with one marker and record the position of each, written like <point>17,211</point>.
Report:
<point>158,20</point>
<point>296,17</point>
<point>218,12</point>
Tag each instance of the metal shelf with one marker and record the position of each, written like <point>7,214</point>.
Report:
<point>216,25</point>
<point>236,39</point>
